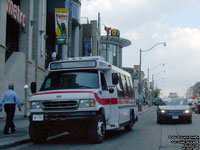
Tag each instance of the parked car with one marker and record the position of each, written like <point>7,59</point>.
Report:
<point>174,109</point>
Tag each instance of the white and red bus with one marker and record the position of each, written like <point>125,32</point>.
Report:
<point>87,95</point>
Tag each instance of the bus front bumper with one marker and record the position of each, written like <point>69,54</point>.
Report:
<point>61,116</point>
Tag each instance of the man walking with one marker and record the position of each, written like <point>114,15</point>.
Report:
<point>10,99</point>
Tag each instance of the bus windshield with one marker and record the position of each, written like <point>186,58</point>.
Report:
<point>71,80</point>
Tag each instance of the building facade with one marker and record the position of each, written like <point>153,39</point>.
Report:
<point>112,45</point>
<point>90,37</point>
<point>22,44</point>
<point>71,47</point>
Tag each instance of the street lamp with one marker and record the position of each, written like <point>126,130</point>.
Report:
<point>159,72</point>
<point>154,68</point>
<point>140,89</point>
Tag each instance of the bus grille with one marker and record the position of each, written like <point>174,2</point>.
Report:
<point>60,105</point>
<point>175,111</point>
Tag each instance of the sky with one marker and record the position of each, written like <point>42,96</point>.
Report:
<point>147,22</point>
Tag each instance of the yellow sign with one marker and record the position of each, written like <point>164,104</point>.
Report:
<point>61,25</point>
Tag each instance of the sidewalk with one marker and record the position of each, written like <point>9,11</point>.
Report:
<point>21,135</point>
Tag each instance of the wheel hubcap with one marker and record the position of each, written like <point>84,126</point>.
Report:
<point>100,128</point>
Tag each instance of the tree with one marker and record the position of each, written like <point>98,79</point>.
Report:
<point>157,92</point>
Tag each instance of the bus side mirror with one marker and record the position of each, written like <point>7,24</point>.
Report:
<point>111,90</point>
<point>33,87</point>
<point>115,78</point>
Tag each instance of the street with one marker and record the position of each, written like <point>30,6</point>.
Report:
<point>146,135</point>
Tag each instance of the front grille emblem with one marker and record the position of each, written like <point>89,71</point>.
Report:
<point>59,96</point>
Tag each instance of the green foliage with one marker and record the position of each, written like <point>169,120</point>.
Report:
<point>157,93</point>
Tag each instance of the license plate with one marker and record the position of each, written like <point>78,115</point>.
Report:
<point>175,117</point>
<point>38,117</point>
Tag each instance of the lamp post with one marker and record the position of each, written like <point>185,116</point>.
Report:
<point>162,64</point>
<point>154,68</point>
<point>139,87</point>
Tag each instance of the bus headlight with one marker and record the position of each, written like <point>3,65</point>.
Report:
<point>87,103</point>
<point>35,105</point>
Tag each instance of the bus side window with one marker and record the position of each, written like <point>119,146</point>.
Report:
<point>129,87</point>
<point>120,88</point>
<point>103,82</point>
<point>133,90</point>
<point>126,92</point>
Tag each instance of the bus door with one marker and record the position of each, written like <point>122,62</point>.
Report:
<point>105,95</point>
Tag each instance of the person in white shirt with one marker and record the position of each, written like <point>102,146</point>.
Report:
<point>53,55</point>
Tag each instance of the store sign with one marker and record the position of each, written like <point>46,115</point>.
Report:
<point>112,32</point>
<point>15,12</point>
<point>61,25</point>
<point>136,72</point>
<point>115,32</point>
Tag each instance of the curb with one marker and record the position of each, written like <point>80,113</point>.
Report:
<point>16,143</point>
<point>148,109</point>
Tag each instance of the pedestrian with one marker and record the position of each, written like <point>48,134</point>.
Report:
<point>53,55</point>
<point>10,100</point>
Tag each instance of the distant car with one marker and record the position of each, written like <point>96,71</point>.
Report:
<point>157,101</point>
<point>174,109</point>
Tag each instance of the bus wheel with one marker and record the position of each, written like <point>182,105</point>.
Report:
<point>37,133</point>
<point>97,130</point>
<point>128,128</point>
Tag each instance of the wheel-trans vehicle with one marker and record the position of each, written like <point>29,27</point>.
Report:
<point>82,95</point>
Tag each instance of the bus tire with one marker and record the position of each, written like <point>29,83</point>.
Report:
<point>37,133</point>
<point>97,129</point>
<point>128,128</point>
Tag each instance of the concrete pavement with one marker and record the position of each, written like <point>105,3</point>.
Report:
<point>21,135</point>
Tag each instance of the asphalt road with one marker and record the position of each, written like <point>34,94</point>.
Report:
<point>146,135</point>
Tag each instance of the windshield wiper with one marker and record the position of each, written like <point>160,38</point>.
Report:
<point>82,86</point>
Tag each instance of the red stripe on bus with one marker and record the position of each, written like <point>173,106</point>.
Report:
<point>61,92</point>
<point>102,101</point>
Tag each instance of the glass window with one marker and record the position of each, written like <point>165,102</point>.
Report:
<point>110,54</point>
<point>125,87</point>
<point>71,80</point>
<point>114,50</point>
<point>86,48</point>
<point>103,83</point>
<point>103,46</point>
<point>115,55</point>
<point>130,88</point>
<point>120,88</point>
